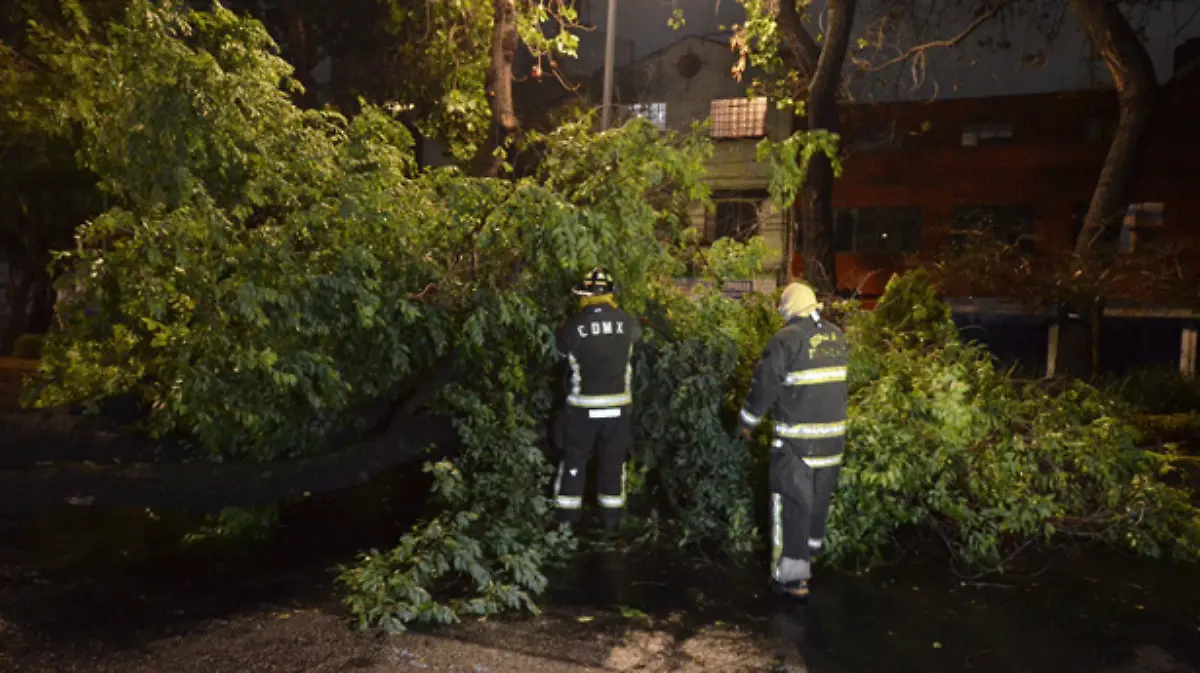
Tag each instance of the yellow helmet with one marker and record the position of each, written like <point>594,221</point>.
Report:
<point>597,282</point>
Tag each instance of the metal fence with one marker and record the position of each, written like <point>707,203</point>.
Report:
<point>734,289</point>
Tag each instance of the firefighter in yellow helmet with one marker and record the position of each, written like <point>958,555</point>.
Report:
<point>801,382</point>
<point>597,344</point>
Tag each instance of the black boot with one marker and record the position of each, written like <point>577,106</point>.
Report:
<point>612,521</point>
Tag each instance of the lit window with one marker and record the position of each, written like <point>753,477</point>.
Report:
<point>656,113</point>
<point>739,118</point>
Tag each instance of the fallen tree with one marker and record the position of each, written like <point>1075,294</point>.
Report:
<point>207,487</point>
<point>61,456</point>
<point>279,268</point>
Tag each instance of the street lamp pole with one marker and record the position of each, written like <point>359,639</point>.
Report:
<point>610,52</point>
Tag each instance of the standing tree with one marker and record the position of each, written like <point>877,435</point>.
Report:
<point>44,195</point>
<point>465,53</point>
<point>1115,41</point>
<point>806,72</point>
<point>1136,83</point>
<point>499,88</point>
<point>448,66</point>
<point>808,77</point>
<point>820,264</point>
<point>1082,277</point>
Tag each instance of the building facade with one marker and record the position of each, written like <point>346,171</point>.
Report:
<point>689,82</point>
<point>917,175</point>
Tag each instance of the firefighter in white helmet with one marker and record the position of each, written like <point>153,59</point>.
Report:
<point>801,382</point>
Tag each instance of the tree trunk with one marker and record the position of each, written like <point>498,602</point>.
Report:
<point>499,87</point>
<point>800,52</point>
<point>20,286</point>
<point>1136,84</point>
<point>41,304</point>
<point>820,262</point>
<point>299,50</point>
<point>210,487</point>
<point>53,457</point>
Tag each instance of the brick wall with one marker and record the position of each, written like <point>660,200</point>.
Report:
<point>912,154</point>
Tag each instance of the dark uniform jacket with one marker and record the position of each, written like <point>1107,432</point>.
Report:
<point>801,382</point>
<point>598,344</point>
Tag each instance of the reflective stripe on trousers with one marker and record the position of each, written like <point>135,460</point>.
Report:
<point>576,501</point>
<point>814,461</point>
<point>565,501</point>
<point>615,501</point>
<point>776,535</point>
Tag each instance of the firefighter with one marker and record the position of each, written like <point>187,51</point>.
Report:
<point>801,382</point>
<point>597,344</point>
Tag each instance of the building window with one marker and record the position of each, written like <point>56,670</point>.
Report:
<point>984,135</point>
<point>878,230</point>
<point>655,112</point>
<point>736,216</point>
<point>1143,224</point>
<point>739,118</point>
<point>1009,225</point>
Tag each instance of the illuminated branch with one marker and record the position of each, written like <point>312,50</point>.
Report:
<point>919,50</point>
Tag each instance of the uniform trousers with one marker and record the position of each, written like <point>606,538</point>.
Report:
<point>606,434</point>
<point>801,493</point>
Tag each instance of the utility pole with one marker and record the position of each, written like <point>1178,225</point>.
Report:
<point>610,52</point>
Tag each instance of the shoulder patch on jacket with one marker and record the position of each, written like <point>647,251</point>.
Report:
<point>826,345</point>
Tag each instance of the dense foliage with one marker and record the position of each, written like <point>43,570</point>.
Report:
<point>758,41</point>
<point>273,267</point>
<point>939,438</point>
<point>28,346</point>
<point>276,266</point>
<point>1156,390</point>
<point>44,194</point>
<point>450,43</point>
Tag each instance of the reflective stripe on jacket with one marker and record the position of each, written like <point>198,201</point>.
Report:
<point>598,345</point>
<point>801,382</point>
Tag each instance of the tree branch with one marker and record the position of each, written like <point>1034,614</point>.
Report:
<point>1136,83</point>
<point>938,44</point>
<point>210,487</point>
<point>828,72</point>
<point>499,83</point>
<point>62,451</point>
<point>800,51</point>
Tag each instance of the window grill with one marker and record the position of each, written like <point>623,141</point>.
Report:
<point>656,113</point>
<point>739,118</point>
